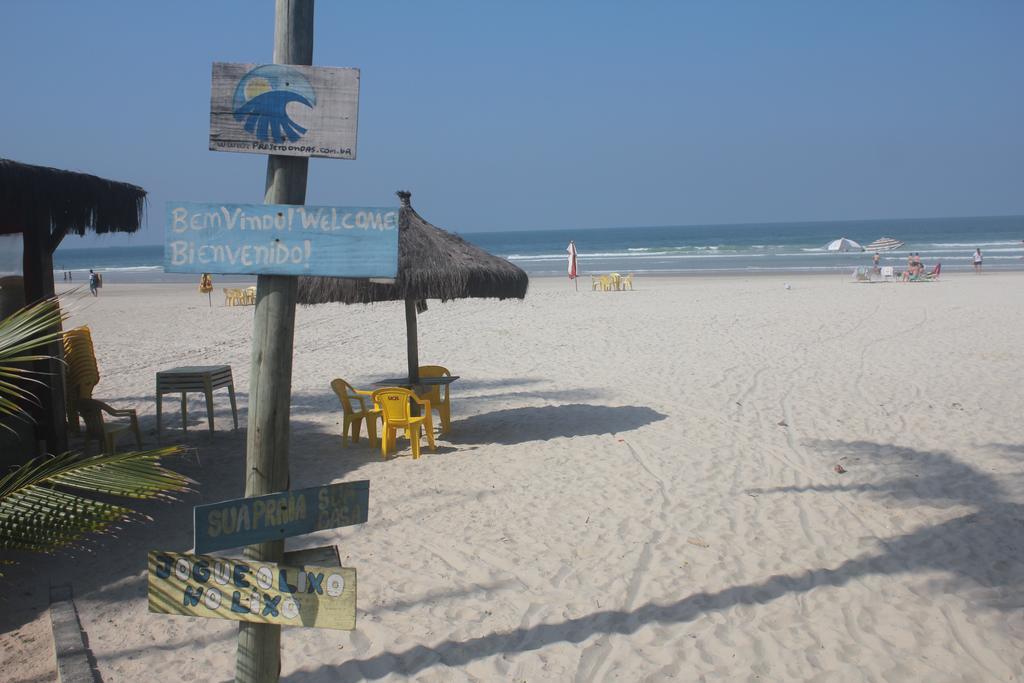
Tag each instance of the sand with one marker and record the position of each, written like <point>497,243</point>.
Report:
<point>638,486</point>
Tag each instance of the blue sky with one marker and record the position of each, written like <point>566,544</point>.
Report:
<point>553,115</point>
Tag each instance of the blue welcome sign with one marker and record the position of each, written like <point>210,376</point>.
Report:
<point>244,521</point>
<point>281,239</point>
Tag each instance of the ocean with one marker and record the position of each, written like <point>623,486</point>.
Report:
<point>740,248</point>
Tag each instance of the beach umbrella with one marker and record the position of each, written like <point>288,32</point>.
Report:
<point>572,261</point>
<point>432,264</point>
<point>843,244</point>
<point>884,244</point>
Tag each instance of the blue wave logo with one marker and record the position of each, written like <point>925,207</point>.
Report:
<point>262,98</point>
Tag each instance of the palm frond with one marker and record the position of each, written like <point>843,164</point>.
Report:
<point>21,335</point>
<point>42,506</point>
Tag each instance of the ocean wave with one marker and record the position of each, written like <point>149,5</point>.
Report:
<point>972,245</point>
<point>112,269</point>
<point>627,256</point>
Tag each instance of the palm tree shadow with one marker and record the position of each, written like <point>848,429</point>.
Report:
<point>520,425</point>
<point>978,553</point>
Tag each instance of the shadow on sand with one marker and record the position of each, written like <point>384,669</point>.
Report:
<point>978,551</point>
<point>520,425</point>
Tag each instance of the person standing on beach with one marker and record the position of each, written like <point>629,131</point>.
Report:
<point>94,282</point>
<point>874,261</point>
<point>977,260</point>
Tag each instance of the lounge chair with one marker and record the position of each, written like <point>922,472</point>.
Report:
<point>357,406</point>
<point>888,274</point>
<point>930,276</point>
<point>396,411</point>
<point>440,399</point>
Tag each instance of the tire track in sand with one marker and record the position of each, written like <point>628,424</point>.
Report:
<point>596,657</point>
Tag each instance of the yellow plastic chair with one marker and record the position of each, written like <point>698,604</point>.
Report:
<point>616,281</point>
<point>438,395</point>
<point>357,406</point>
<point>627,282</point>
<point>595,283</point>
<point>81,371</point>
<point>396,411</point>
<point>606,283</point>
<point>105,435</point>
<point>250,296</point>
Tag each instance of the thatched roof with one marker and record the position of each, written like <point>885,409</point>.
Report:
<point>432,264</point>
<point>38,198</point>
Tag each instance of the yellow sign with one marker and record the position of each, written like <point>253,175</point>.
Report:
<point>246,590</point>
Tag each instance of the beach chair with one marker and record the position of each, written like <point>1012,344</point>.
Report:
<point>357,406</point>
<point>888,274</point>
<point>438,395</point>
<point>80,371</point>
<point>606,283</point>
<point>396,412</point>
<point>97,429</point>
<point>627,282</point>
<point>595,283</point>
<point>930,276</point>
<point>616,281</point>
<point>249,296</point>
<point>861,274</point>
<point>82,374</point>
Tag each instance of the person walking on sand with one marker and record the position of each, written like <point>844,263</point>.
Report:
<point>977,260</point>
<point>874,261</point>
<point>94,282</point>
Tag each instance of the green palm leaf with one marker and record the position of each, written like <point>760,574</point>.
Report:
<point>50,502</point>
<point>41,503</point>
<point>22,334</point>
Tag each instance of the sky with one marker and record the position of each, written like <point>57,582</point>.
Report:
<point>544,115</point>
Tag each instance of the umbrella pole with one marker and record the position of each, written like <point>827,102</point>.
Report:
<point>412,350</point>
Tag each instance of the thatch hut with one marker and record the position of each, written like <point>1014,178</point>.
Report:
<point>43,205</point>
<point>432,264</point>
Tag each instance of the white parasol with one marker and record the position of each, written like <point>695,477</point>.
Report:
<point>843,244</point>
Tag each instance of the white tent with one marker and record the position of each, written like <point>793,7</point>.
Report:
<point>843,244</point>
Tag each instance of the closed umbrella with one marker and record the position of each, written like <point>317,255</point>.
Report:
<point>572,261</point>
<point>884,244</point>
<point>843,244</point>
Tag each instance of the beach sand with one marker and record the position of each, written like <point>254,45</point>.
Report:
<point>637,486</point>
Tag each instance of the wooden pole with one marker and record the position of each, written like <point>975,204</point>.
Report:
<point>37,271</point>
<point>411,343</point>
<point>270,381</point>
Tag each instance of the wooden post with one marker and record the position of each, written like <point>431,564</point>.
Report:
<point>270,381</point>
<point>37,270</point>
<point>412,345</point>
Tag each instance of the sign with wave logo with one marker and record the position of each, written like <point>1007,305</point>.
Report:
<point>284,109</point>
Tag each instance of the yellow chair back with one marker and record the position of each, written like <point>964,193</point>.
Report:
<point>394,405</point>
<point>438,395</point>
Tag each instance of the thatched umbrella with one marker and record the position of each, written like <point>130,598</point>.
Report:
<point>44,204</point>
<point>432,264</point>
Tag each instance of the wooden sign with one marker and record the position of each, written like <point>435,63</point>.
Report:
<point>302,111</point>
<point>245,521</point>
<point>281,239</point>
<point>246,590</point>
